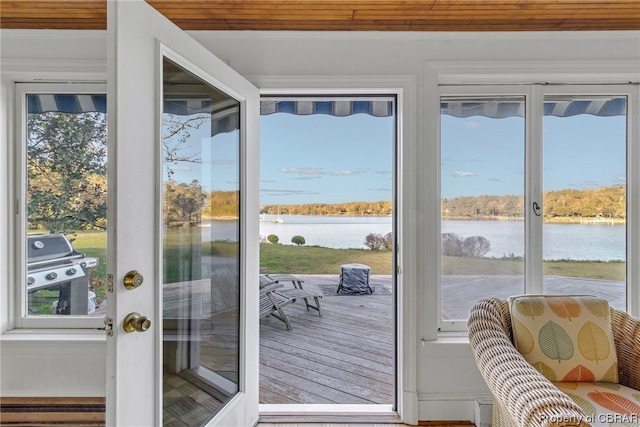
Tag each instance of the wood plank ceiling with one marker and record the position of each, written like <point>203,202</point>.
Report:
<point>342,15</point>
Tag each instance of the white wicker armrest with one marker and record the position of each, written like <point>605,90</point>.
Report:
<point>522,396</point>
<point>626,334</point>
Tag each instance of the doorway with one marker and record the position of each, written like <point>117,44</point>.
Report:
<point>327,204</point>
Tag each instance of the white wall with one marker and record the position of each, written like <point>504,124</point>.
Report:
<point>32,363</point>
<point>447,378</point>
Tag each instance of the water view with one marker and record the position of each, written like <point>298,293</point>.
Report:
<point>562,241</point>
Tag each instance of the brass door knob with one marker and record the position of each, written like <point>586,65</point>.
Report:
<point>133,279</point>
<point>136,322</point>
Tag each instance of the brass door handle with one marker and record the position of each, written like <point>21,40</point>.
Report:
<point>136,322</point>
<point>133,279</point>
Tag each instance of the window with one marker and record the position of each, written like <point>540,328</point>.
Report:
<point>62,196</point>
<point>482,210</point>
<point>585,195</point>
<point>533,194</point>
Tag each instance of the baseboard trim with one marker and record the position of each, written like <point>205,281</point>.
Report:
<point>330,418</point>
<point>52,411</point>
<point>90,412</point>
<point>445,423</point>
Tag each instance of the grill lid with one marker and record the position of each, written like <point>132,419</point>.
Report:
<point>48,247</point>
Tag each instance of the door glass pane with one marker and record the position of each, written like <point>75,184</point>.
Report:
<point>584,231</point>
<point>327,223</point>
<point>482,206</point>
<point>66,189</point>
<point>201,247</point>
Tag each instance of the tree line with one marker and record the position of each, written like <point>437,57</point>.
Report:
<point>603,202</point>
<point>379,208</point>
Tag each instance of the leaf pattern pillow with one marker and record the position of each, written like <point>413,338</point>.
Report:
<point>565,337</point>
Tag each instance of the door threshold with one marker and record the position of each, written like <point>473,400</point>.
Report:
<point>323,413</point>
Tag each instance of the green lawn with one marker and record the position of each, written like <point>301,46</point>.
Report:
<point>613,270</point>
<point>311,260</point>
<point>317,260</point>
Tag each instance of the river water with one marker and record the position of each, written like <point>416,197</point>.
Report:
<point>560,241</point>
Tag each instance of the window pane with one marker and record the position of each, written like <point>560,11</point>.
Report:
<point>201,247</point>
<point>66,204</point>
<point>482,210</point>
<point>584,232</point>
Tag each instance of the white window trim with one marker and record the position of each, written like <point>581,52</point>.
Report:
<point>534,97</point>
<point>18,279</point>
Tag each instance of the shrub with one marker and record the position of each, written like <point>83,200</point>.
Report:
<point>298,240</point>
<point>374,241</point>
<point>388,241</point>
<point>474,246</point>
<point>272,238</point>
<point>451,244</point>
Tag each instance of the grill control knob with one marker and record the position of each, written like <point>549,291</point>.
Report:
<point>51,276</point>
<point>31,280</point>
<point>71,271</point>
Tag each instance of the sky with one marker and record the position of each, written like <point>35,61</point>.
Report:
<point>303,159</point>
<point>326,159</point>
<point>485,156</point>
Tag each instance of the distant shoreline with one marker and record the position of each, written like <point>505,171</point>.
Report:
<point>554,220</point>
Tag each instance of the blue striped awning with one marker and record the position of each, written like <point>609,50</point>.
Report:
<point>512,107</point>
<point>72,103</point>
<point>186,107</point>
<point>596,107</point>
<point>83,103</point>
<point>225,115</point>
<point>340,108</point>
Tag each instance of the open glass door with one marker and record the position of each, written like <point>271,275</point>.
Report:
<point>183,229</point>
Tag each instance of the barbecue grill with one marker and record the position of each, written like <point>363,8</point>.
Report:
<point>53,264</point>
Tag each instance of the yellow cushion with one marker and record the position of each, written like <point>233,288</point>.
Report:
<point>566,338</point>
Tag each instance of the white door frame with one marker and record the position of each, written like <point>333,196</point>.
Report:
<point>407,175</point>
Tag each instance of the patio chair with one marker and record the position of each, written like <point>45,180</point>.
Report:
<point>272,302</point>
<point>297,291</point>
<point>523,396</point>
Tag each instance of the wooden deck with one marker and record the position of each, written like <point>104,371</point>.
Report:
<point>346,356</point>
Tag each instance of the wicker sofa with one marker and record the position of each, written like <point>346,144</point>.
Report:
<point>521,395</point>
